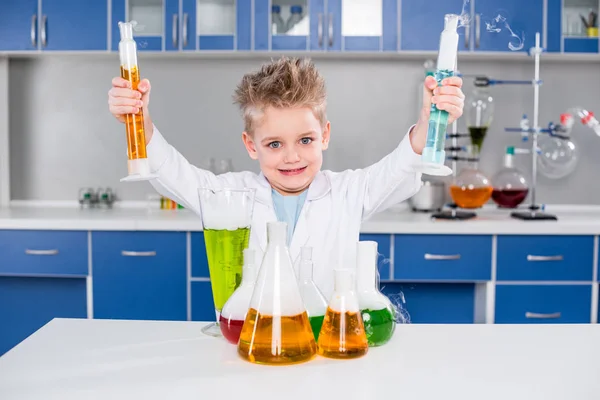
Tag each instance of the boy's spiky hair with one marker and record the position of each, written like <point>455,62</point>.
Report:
<point>287,82</point>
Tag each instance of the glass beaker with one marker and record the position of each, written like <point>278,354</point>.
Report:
<point>276,330</point>
<point>376,309</point>
<point>314,301</point>
<point>479,113</point>
<point>235,309</point>
<point>226,219</point>
<point>471,188</point>
<point>343,333</point>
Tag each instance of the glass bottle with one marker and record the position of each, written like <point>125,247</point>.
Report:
<point>235,309</point>
<point>376,309</point>
<point>471,188</point>
<point>343,333</point>
<point>510,185</point>
<point>313,298</point>
<point>276,330</point>
<point>479,110</point>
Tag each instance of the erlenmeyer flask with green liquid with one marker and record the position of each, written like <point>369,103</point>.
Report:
<point>377,311</point>
<point>314,301</point>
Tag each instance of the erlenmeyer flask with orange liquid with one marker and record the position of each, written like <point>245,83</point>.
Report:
<point>276,330</point>
<point>471,188</point>
<point>343,333</point>
<point>235,309</point>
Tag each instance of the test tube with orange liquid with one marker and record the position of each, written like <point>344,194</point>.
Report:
<point>137,162</point>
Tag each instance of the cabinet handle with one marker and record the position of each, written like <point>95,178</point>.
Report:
<point>320,30</point>
<point>544,258</point>
<point>52,252</point>
<point>185,29</point>
<point>43,35</point>
<point>174,30</point>
<point>138,253</point>
<point>477,29</point>
<point>330,30</point>
<point>532,315</point>
<point>33,33</point>
<point>442,257</point>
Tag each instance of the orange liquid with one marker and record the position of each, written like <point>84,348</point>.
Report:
<point>470,198</point>
<point>136,137</point>
<point>342,335</point>
<point>276,340</point>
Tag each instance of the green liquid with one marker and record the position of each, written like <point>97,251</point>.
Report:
<point>315,324</point>
<point>379,326</point>
<point>438,119</point>
<point>477,135</point>
<point>225,261</point>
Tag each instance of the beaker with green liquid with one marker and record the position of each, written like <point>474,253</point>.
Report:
<point>226,219</point>
<point>377,311</point>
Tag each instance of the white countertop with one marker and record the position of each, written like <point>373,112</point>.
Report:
<point>104,359</point>
<point>575,220</point>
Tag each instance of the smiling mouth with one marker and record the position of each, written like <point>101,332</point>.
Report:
<point>294,171</point>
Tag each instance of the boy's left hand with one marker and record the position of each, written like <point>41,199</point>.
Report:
<point>448,97</point>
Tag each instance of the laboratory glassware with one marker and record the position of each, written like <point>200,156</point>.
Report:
<point>510,185</point>
<point>343,332</point>
<point>314,301</point>
<point>137,161</point>
<point>276,330</point>
<point>471,188</point>
<point>226,217</point>
<point>433,155</point>
<point>479,114</point>
<point>376,309</point>
<point>557,156</point>
<point>235,309</point>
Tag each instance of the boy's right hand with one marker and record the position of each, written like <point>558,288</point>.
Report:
<point>123,100</point>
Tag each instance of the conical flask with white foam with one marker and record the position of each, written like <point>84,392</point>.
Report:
<point>235,309</point>
<point>276,330</point>
<point>313,298</point>
<point>376,308</point>
<point>343,334</point>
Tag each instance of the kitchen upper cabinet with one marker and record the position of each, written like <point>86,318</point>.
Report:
<point>224,24</point>
<point>509,25</point>
<point>422,22</point>
<point>289,25</point>
<point>53,25</point>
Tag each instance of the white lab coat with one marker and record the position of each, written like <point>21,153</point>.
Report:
<point>335,205</point>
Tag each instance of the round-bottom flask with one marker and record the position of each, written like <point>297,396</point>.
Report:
<point>510,185</point>
<point>557,158</point>
<point>376,309</point>
<point>471,188</point>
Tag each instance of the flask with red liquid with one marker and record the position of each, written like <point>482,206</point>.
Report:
<point>234,311</point>
<point>510,185</point>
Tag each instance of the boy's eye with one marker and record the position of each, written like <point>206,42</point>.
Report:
<point>274,145</point>
<point>306,140</point>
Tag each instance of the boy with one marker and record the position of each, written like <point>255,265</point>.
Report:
<point>286,130</point>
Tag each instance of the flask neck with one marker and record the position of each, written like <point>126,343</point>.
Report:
<point>306,271</point>
<point>126,30</point>
<point>277,233</point>
<point>366,267</point>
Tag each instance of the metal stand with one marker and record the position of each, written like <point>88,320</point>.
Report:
<point>533,213</point>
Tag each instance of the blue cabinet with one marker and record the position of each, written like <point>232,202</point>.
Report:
<point>423,22</point>
<point>139,275</point>
<point>27,304</point>
<point>561,304</point>
<point>502,26</point>
<point>203,305</point>
<point>199,257</point>
<point>224,25</point>
<point>53,25</point>
<point>433,303</point>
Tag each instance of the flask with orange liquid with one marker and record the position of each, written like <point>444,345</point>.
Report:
<point>137,161</point>
<point>276,330</point>
<point>343,333</point>
<point>234,311</point>
<point>471,188</point>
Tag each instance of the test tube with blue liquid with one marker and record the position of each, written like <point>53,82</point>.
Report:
<point>434,156</point>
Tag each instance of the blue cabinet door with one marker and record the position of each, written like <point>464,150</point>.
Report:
<point>188,24</point>
<point>224,25</point>
<point>18,25</point>
<point>422,22</point>
<point>139,275</point>
<point>203,306</point>
<point>73,25</point>
<point>362,26</point>
<point>554,26</point>
<point>281,25</point>
<point>148,35</point>
<point>172,25</point>
<point>507,25</point>
<point>27,304</point>
<point>432,303</point>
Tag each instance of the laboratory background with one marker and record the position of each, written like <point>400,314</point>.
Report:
<point>510,236</point>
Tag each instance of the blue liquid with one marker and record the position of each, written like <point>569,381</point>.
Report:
<point>438,123</point>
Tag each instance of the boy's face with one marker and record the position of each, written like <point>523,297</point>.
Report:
<point>288,144</point>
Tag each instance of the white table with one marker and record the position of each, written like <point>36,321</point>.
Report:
<point>103,359</point>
